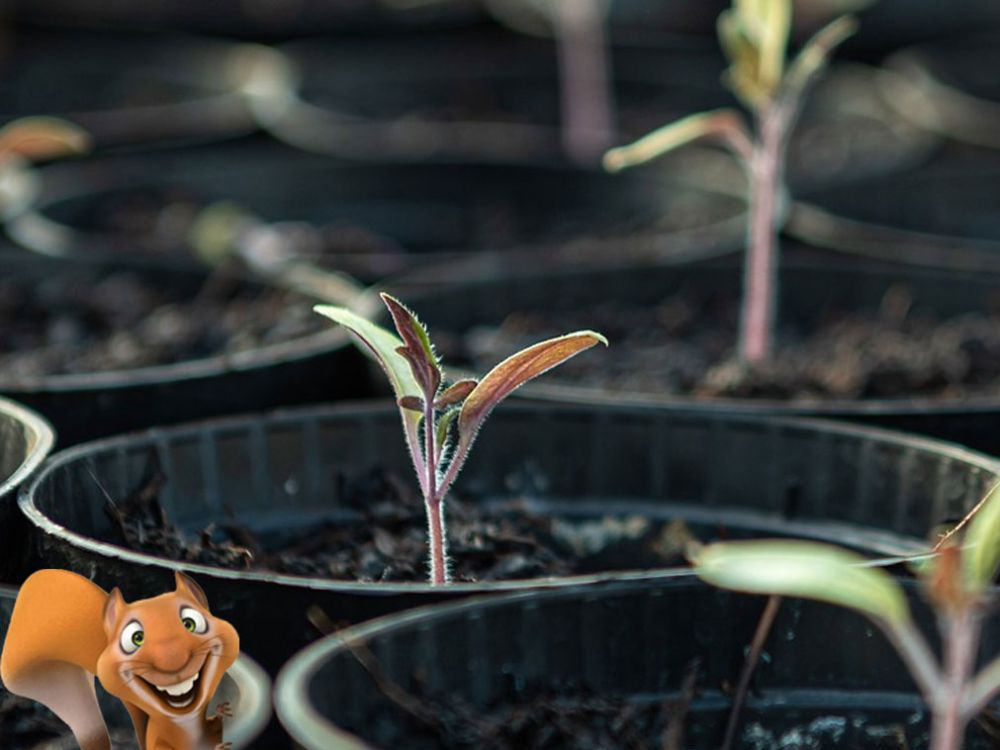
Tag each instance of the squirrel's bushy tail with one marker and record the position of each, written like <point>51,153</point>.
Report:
<point>55,638</point>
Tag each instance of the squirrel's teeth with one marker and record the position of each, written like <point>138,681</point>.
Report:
<point>180,688</point>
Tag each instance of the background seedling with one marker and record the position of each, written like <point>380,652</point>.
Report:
<point>754,37</point>
<point>441,423</point>
<point>958,581</point>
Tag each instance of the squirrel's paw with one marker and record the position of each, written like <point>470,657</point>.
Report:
<point>224,746</point>
<point>224,709</point>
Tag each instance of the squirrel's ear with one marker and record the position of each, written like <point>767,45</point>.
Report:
<point>112,607</point>
<point>186,584</point>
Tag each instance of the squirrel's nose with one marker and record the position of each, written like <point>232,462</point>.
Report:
<point>171,656</point>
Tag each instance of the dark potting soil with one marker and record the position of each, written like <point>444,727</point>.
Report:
<point>81,323</point>
<point>386,540</point>
<point>685,345</point>
<point>570,717</point>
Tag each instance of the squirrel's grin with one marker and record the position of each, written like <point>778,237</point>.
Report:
<point>180,695</point>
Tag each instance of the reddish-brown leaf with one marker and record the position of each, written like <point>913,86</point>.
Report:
<point>517,370</point>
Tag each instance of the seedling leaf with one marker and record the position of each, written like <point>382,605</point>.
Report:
<point>803,569</point>
<point>514,372</point>
<point>775,21</point>
<point>725,124</point>
<point>381,344</point>
<point>413,403</point>
<point>455,393</point>
<point>417,348</point>
<point>38,138</point>
<point>981,553</point>
<point>443,425</point>
<point>815,54</point>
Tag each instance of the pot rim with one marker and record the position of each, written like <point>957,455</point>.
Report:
<point>306,725</point>
<point>46,525</point>
<point>39,436</point>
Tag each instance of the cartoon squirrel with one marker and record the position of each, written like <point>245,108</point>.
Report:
<point>162,657</point>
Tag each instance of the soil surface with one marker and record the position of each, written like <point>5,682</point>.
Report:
<point>82,322</point>
<point>579,719</point>
<point>686,346</point>
<point>388,539</point>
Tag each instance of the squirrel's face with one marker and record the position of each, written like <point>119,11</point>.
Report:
<point>167,654</point>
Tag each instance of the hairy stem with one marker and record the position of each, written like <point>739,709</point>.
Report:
<point>411,428</point>
<point>583,69</point>
<point>760,270</point>
<point>433,499</point>
<point>960,632</point>
<point>439,548</point>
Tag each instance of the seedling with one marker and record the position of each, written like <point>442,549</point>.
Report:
<point>958,581</point>
<point>754,37</point>
<point>41,138</point>
<point>441,423</point>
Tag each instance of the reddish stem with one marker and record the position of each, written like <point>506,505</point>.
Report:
<point>583,69</point>
<point>434,499</point>
<point>439,552</point>
<point>760,272</point>
<point>961,639</point>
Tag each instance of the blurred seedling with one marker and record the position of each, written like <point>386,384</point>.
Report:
<point>754,36</point>
<point>958,581</point>
<point>440,423</point>
<point>33,139</point>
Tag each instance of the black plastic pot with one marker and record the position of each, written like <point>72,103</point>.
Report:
<point>87,404</point>
<point>492,96</point>
<point>812,288</point>
<point>25,441</point>
<point>949,87</point>
<point>287,472</point>
<point>941,216</point>
<point>829,679</point>
<point>378,219</point>
<point>135,89</point>
<point>246,687</point>
<point>259,20</point>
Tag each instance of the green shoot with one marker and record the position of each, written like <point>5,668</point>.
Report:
<point>440,423</point>
<point>754,36</point>
<point>957,580</point>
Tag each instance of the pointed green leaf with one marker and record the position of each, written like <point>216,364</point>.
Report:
<point>443,427</point>
<point>381,344</point>
<point>455,393</point>
<point>775,21</point>
<point>981,550</point>
<point>514,372</point>
<point>743,57</point>
<point>726,124</point>
<point>815,54</point>
<point>803,569</point>
<point>419,350</point>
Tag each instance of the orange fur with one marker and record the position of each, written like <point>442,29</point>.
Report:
<point>65,629</point>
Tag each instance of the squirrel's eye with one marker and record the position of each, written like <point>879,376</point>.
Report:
<point>132,637</point>
<point>193,620</point>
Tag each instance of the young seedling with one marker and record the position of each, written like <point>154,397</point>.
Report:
<point>441,423</point>
<point>754,37</point>
<point>958,581</point>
